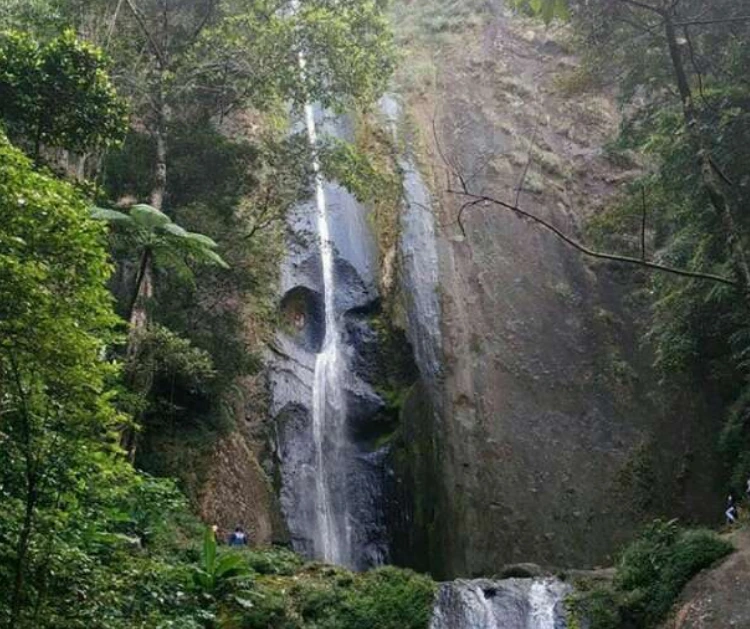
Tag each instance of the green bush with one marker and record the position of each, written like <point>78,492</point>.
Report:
<point>324,597</point>
<point>598,606</point>
<point>390,598</point>
<point>650,575</point>
<point>277,561</point>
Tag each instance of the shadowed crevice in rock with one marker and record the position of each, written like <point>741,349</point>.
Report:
<point>303,316</point>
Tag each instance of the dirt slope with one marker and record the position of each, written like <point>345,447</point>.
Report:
<point>718,598</point>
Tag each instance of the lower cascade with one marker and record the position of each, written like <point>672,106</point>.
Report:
<point>506,604</point>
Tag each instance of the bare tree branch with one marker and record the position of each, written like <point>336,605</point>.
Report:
<point>726,20</point>
<point>112,23</point>
<point>152,42</point>
<point>472,200</point>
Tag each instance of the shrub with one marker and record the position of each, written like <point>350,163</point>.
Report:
<point>599,607</point>
<point>323,597</point>
<point>650,575</point>
<point>277,561</point>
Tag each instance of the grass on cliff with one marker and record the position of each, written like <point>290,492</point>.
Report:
<point>650,575</point>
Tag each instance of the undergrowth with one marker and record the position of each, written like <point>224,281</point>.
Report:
<point>651,572</point>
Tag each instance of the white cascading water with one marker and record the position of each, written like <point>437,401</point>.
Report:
<point>506,604</point>
<point>485,609</point>
<point>333,531</point>
<point>542,600</point>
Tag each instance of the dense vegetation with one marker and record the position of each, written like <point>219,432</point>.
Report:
<point>650,574</point>
<point>139,236</point>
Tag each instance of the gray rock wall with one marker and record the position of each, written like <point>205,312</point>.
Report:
<point>553,438</point>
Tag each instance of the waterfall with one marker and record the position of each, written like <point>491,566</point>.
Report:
<point>333,531</point>
<point>506,604</point>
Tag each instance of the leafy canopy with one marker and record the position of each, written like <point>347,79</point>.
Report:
<point>58,94</point>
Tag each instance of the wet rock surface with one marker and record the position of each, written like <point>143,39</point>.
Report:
<point>505,604</point>
<point>355,471</point>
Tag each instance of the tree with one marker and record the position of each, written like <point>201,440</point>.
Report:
<point>57,94</point>
<point>153,237</point>
<point>55,322</point>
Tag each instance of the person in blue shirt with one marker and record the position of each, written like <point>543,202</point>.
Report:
<point>238,537</point>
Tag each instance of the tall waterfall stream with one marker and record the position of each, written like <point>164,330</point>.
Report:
<point>332,484</point>
<point>333,534</point>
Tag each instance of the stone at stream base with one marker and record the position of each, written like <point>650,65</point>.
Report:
<point>521,571</point>
<point>506,604</point>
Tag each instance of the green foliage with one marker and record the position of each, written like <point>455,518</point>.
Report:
<point>276,561</point>
<point>72,506</point>
<point>57,94</point>
<point>217,571</point>
<point>594,606</point>
<point>358,172</point>
<point>323,597</point>
<point>650,575</point>
<point>163,354</point>
<point>147,228</point>
<point>347,46</point>
<point>548,10</point>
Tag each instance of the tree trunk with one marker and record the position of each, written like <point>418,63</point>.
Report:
<point>22,548</point>
<point>144,288</point>
<point>719,200</point>
<point>143,292</point>
<point>160,135</point>
<point>138,320</point>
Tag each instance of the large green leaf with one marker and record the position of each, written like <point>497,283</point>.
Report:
<point>148,217</point>
<point>111,216</point>
<point>209,551</point>
<point>175,230</point>
<point>202,239</point>
<point>206,255</point>
<point>230,566</point>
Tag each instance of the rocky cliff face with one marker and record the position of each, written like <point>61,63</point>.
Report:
<point>548,437</point>
<point>529,425</point>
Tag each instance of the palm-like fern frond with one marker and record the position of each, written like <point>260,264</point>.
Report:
<point>152,228</point>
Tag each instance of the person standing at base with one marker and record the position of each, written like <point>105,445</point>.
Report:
<point>238,537</point>
<point>731,512</point>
